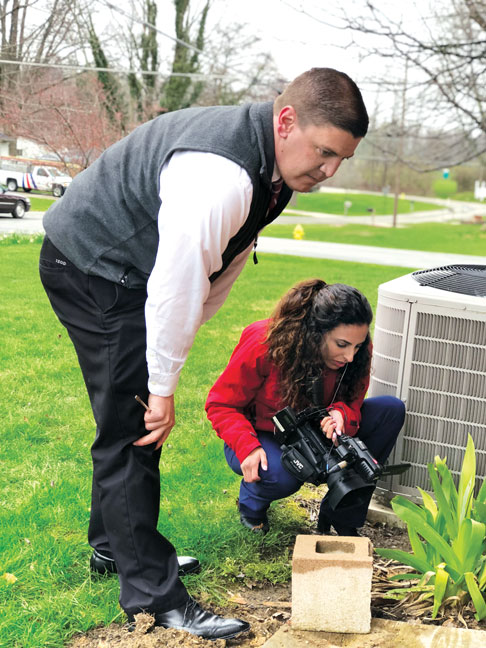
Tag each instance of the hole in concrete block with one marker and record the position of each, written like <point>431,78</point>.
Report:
<point>324,547</point>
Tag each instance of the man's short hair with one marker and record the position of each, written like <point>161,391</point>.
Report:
<point>323,96</point>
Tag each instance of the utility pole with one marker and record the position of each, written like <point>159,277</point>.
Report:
<point>399,155</point>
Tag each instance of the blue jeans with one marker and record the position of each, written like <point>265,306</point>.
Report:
<point>381,421</point>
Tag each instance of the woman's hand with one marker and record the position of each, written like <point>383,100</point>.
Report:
<point>333,425</point>
<point>159,420</point>
<point>251,464</point>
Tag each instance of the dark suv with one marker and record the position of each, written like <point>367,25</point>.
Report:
<point>12,203</point>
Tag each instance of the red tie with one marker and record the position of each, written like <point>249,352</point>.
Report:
<point>276,187</point>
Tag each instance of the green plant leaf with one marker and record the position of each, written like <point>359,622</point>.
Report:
<point>403,502</point>
<point>481,497</point>
<point>476,596</point>
<point>468,546</point>
<point>482,575</point>
<point>417,546</point>
<point>404,558</point>
<point>433,556</point>
<point>400,593</point>
<point>431,536</point>
<point>441,579</point>
<point>443,501</point>
<point>448,484</point>
<point>479,511</point>
<point>408,576</point>
<point>429,503</point>
<point>466,481</point>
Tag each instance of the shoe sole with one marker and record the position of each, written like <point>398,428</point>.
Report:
<point>231,636</point>
<point>228,636</point>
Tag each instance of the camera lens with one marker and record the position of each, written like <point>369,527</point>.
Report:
<point>347,488</point>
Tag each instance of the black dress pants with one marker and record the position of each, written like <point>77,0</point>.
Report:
<point>106,324</point>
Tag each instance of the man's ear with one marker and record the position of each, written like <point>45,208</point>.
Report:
<point>286,121</point>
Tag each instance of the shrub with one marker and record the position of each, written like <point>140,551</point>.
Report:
<point>447,537</point>
<point>444,187</point>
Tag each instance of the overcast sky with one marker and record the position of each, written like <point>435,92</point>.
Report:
<point>296,40</point>
<point>299,35</point>
<point>296,32</point>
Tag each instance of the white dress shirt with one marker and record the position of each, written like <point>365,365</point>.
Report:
<point>206,199</point>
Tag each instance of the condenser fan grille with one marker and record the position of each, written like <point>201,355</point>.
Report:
<point>463,279</point>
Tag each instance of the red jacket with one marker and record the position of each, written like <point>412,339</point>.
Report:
<point>248,389</point>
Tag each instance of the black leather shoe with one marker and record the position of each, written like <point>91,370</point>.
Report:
<point>257,526</point>
<point>102,564</point>
<point>188,565</point>
<point>192,618</point>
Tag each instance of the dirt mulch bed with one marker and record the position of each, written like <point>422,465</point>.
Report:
<point>267,607</point>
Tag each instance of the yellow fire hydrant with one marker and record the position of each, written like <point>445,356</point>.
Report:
<point>298,232</point>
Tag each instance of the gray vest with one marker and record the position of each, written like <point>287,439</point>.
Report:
<point>106,222</point>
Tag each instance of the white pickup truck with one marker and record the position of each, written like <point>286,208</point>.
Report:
<point>15,174</point>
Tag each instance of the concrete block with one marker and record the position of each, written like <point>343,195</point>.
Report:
<point>331,584</point>
<point>380,511</point>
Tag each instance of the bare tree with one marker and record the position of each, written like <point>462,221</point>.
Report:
<point>34,31</point>
<point>57,108</point>
<point>239,68</point>
<point>67,117</point>
<point>182,91</point>
<point>144,55</point>
<point>444,50</point>
<point>75,112</point>
<point>138,43</point>
<point>115,103</point>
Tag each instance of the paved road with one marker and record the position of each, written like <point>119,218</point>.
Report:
<point>32,223</point>
<point>365,253</point>
<point>438,216</point>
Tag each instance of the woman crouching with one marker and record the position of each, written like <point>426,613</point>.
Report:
<point>318,335</point>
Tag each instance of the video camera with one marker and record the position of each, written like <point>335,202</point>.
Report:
<point>348,468</point>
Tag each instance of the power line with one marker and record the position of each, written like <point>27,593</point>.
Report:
<point>181,42</point>
<point>150,26</point>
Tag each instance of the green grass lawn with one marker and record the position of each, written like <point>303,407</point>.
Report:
<point>467,196</point>
<point>434,237</point>
<point>333,203</point>
<point>46,591</point>
<point>40,204</point>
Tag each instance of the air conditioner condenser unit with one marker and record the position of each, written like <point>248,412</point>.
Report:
<point>429,349</point>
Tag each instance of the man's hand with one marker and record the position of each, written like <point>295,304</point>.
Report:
<point>252,462</point>
<point>333,425</point>
<point>159,420</point>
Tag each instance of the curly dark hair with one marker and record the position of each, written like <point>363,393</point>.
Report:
<point>303,316</point>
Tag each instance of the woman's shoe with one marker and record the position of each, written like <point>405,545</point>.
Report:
<point>257,526</point>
